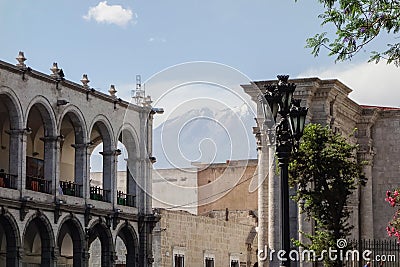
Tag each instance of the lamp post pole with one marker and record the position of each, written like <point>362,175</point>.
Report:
<point>278,100</point>
<point>284,150</point>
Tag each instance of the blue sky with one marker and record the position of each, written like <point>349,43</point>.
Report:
<point>115,40</point>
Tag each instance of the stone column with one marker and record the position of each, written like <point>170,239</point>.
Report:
<point>149,166</point>
<point>85,258</point>
<point>366,153</point>
<point>131,177</point>
<point>51,147</point>
<point>86,183</point>
<point>109,179</point>
<point>274,208</point>
<point>366,212</point>
<point>262,150</point>
<point>14,257</point>
<point>305,226</point>
<point>81,166</point>
<point>17,157</point>
<point>140,186</point>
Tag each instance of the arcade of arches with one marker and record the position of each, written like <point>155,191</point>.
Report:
<point>54,211</point>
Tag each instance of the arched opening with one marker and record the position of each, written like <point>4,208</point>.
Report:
<point>101,249</point>
<point>101,163</point>
<point>9,242</point>
<point>126,175</point>
<point>73,156</point>
<point>41,150</point>
<point>9,141</point>
<point>70,242</point>
<point>38,243</point>
<point>127,249</point>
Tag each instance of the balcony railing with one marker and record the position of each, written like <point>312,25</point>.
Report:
<point>97,193</point>
<point>126,199</point>
<point>38,184</point>
<point>71,189</point>
<point>8,180</point>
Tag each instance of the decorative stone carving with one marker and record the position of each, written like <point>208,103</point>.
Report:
<point>112,91</point>
<point>21,59</point>
<point>85,81</point>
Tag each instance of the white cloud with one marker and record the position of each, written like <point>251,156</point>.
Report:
<point>155,39</point>
<point>372,84</point>
<point>111,14</point>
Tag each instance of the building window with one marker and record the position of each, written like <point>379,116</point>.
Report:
<point>179,257</point>
<point>209,262</point>
<point>234,260</point>
<point>209,259</point>
<point>179,260</point>
<point>234,263</point>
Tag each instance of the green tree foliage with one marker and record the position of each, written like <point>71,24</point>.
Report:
<point>326,172</point>
<point>357,23</point>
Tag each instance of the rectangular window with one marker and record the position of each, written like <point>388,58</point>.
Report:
<point>235,263</point>
<point>179,260</point>
<point>209,262</point>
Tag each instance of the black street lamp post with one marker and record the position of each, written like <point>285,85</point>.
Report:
<point>278,99</point>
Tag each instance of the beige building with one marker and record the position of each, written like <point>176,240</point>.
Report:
<point>231,185</point>
<point>219,239</point>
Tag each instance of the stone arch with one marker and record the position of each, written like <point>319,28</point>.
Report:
<point>101,132</point>
<point>11,126</point>
<point>100,230</point>
<point>42,143</point>
<point>39,226</point>
<point>78,121</point>
<point>14,107</point>
<point>128,137</point>
<point>73,151</point>
<point>128,235</point>
<point>12,238</point>
<point>105,129</point>
<point>70,225</point>
<point>47,113</point>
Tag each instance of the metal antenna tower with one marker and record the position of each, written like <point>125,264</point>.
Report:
<point>139,92</point>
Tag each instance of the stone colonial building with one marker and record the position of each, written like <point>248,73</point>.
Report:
<point>51,215</point>
<point>378,137</point>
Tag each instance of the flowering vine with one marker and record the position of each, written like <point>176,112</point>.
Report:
<point>393,228</point>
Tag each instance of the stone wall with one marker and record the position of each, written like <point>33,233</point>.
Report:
<point>386,167</point>
<point>197,236</point>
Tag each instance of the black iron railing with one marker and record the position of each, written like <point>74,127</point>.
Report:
<point>387,251</point>
<point>71,189</point>
<point>126,199</point>
<point>8,180</point>
<point>97,193</point>
<point>38,184</point>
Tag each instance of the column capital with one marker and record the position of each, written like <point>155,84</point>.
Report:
<point>51,138</point>
<point>80,146</point>
<point>109,153</point>
<point>25,131</point>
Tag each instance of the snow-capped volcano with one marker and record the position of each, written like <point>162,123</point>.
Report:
<point>204,135</point>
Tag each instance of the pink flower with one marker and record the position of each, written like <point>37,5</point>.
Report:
<point>396,193</point>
